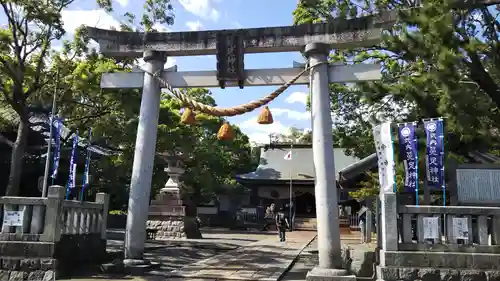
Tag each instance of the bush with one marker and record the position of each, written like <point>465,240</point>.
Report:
<point>117,212</point>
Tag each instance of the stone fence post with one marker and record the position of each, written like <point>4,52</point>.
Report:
<point>389,235</point>
<point>103,199</point>
<point>53,208</point>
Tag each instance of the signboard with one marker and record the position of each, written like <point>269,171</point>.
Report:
<point>478,186</point>
<point>460,228</point>
<point>431,228</point>
<point>13,218</point>
<point>385,154</point>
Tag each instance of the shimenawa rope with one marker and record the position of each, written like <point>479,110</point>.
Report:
<point>231,111</point>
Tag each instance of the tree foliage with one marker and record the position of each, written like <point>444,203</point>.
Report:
<point>25,44</point>
<point>437,60</point>
<point>31,71</point>
<point>294,135</point>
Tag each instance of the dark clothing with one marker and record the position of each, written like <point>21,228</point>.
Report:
<point>281,233</point>
<point>362,217</point>
<point>281,224</point>
<point>280,219</point>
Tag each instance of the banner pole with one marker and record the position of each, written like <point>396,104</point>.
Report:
<point>443,159</point>
<point>49,143</point>
<point>291,187</point>
<point>416,162</point>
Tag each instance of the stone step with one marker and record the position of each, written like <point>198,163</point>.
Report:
<point>27,264</point>
<point>31,269</point>
<point>480,261</point>
<point>393,273</point>
<point>26,249</point>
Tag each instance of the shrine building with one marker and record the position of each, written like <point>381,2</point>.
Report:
<point>270,182</point>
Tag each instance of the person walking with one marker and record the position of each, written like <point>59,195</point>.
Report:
<point>362,224</point>
<point>281,224</point>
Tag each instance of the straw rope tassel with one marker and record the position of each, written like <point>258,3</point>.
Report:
<point>188,117</point>
<point>226,132</point>
<point>265,117</point>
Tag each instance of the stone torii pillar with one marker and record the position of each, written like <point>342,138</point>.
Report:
<point>327,213</point>
<point>142,169</point>
<point>229,46</point>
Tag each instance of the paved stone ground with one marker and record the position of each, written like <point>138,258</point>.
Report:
<point>222,255</point>
<point>266,259</point>
<point>261,251</point>
<point>304,262</point>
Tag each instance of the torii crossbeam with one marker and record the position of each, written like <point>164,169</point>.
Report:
<point>314,40</point>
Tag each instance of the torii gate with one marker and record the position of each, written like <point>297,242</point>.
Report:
<point>315,40</point>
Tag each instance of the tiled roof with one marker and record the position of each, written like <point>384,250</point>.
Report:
<point>273,165</point>
<point>41,125</point>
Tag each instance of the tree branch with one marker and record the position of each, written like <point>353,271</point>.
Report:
<point>88,116</point>
<point>6,141</point>
<point>36,84</point>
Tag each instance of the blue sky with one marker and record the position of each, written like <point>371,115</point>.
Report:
<point>288,110</point>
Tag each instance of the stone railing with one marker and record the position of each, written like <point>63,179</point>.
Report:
<point>436,242</point>
<point>480,233</point>
<point>46,219</point>
<point>44,237</point>
<point>85,217</point>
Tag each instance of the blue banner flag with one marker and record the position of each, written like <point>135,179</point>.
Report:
<point>57,149</point>
<point>87,163</point>
<point>72,167</point>
<point>435,153</point>
<point>408,151</point>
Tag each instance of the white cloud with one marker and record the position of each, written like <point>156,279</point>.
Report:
<point>237,24</point>
<point>299,97</point>
<point>97,18</point>
<point>161,28</point>
<point>201,8</point>
<point>123,3</point>
<point>292,114</point>
<point>194,25</point>
<point>170,62</point>
<point>260,133</point>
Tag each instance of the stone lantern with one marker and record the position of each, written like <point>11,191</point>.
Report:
<point>175,169</point>
<point>167,214</point>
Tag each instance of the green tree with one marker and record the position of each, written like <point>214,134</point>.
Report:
<point>32,27</point>
<point>113,115</point>
<point>437,60</point>
<point>294,135</point>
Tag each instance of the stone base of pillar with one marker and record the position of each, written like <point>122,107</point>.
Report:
<point>137,267</point>
<point>324,274</point>
<point>167,218</point>
<point>174,227</point>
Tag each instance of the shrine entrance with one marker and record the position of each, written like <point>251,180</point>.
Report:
<point>230,46</point>
<point>306,205</point>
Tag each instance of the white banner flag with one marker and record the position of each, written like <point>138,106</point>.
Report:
<point>288,156</point>
<point>385,153</point>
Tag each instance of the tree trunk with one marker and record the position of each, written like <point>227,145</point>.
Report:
<point>17,158</point>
